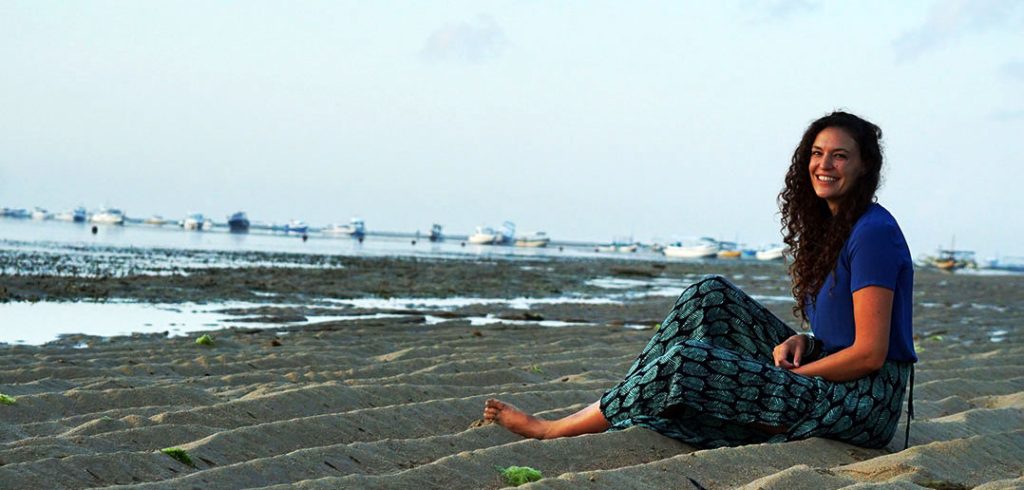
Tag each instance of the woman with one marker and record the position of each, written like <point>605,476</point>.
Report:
<point>723,371</point>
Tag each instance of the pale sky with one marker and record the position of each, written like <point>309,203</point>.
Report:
<point>587,120</point>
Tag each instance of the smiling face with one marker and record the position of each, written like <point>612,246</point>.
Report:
<point>835,165</point>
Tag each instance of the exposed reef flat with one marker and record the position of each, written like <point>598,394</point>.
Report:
<point>395,402</point>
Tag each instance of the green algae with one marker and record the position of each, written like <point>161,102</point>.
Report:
<point>178,454</point>
<point>206,340</point>
<point>519,475</point>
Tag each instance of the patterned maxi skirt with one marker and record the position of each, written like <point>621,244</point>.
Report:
<point>708,378</point>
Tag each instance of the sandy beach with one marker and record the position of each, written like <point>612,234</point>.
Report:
<point>395,401</point>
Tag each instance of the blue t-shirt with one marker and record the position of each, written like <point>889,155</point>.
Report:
<point>875,254</point>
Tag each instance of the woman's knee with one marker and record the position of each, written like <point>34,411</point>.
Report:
<point>716,281</point>
<point>700,287</point>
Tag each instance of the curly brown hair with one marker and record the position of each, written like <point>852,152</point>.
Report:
<point>814,236</point>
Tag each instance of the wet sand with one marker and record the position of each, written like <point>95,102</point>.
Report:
<point>396,402</point>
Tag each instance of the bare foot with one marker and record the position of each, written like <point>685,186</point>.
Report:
<point>515,420</point>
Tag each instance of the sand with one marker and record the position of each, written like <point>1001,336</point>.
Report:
<point>396,403</point>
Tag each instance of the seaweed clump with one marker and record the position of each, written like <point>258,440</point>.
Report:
<point>7,400</point>
<point>178,454</point>
<point>520,475</point>
<point>206,340</point>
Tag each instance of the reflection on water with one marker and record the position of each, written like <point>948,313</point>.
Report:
<point>38,323</point>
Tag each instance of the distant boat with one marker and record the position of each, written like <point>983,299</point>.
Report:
<point>193,222</point>
<point>772,252</point>
<point>296,226</point>
<point>40,214</point>
<point>155,220</point>
<point>17,213</point>
<point>483,236</point>
<point>507,234</point>
<point>701,248</point>
<point>435,233</point>
<point>619,245</point>
<point>729,250</point>
<point>533,240</point>
<point>356,228</point>
<point>951,260</point>
<point>238,223</point>
<point>77,215</point>
<point>111,216</point>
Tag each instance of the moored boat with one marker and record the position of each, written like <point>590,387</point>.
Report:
<point>950,260</point>
<point>40,214</point>
<point>356,228</point>
<point>296,226</point>
<point>701,248</point>
<point>16,213</point>
<point>108,216</point>
<point>193,222</point>
<point>77,215</point>
<point>506,236</point>
<point>729,250</point>
<point>618,246</point>
<point>533,240</point>
<point>155,220</point>
<point>238,222</point>
<point>771,252</point>
<point>435,233</point>
<point>483,236</point>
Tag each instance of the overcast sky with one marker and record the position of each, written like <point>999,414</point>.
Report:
<point>587,120</point>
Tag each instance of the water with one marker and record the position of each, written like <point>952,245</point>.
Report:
<point>38,323</point>
<point>70,249</point>
<point>57,234</point>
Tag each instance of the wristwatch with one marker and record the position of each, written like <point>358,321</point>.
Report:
<point>815,348</point>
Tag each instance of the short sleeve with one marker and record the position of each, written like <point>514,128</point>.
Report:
<point>876,255</point>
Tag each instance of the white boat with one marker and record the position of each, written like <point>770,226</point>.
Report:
<point>355,228</point>
<point>40,214</point>
<point>77,215</point>
<point>483,236</point>
<point>193,222</point>
<point>772,252</point>
<point>156,220</point>
<point>109,216</point>
<point>617,247</point>
<point>533,240</point>
<point>296,226</point>
<point>701,248</point>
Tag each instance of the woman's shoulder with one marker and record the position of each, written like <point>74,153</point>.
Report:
<point>877,226</point>
<point>877,215</point>
<point>876,219</point>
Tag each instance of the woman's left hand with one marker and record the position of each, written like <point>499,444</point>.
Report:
<point>791,348</point>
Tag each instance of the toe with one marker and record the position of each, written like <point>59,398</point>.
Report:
<point>497,404</point>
